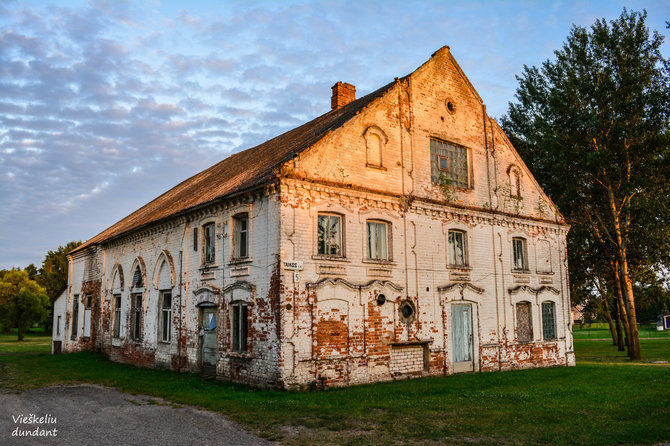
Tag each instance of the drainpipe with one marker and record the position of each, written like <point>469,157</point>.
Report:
<point>493,238</point>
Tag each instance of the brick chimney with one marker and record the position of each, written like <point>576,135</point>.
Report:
<point>343,93</point>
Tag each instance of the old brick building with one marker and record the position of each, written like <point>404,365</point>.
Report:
<point>397,235</point>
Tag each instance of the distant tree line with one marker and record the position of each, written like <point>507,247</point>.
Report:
<point>27,295</point>
<point>592,125</point>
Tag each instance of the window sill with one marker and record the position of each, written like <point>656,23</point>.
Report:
<point>330,258</point>
<point>544,273</point>
<point>521,271</point>
<point>379,262</point>
<point>464,268</point>
<point>374,166</point>
<point>240,355</point>
<point>240,261</point>
<point>207,267</point>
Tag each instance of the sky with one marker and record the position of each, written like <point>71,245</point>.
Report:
<point>106,105</point>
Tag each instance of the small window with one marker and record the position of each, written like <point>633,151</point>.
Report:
<point>58,326</point>
<point>166,316</point>
<point>195,239</point>
<point>117,316</point>
<point>374,142</point>
<point>457,248</point>
<point>209,243</point>
<point>519,253</point>
<point>524,326</point>
<point>137,317</point>
<point>450,162</point>
<point>241,236</point>
<point>240,327</point>
<point>548,321</point>
<point>330,235</point>
<point>514,183</point>
<point>377,240</point>
<point>137,278</point>
<point>75,315</point>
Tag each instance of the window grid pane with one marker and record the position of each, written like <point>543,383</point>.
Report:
<point>454,166</point>
<point>329,236</point>
<point>548,321</point>
<point>519,253</point>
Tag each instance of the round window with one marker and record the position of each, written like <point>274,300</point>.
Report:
<point>407,311</point>
<point>381,299</point>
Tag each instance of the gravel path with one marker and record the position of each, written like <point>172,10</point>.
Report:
<point>88,414</point>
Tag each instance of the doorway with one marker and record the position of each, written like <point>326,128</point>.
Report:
<point>208,340</point>
<point>461,331</point>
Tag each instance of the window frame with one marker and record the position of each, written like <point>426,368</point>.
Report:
<point>530,321</point>
<point>209,243</point>
<point>136,315</point>
<point>238,233</point>
<point>524,255</point>
<point>464,240</point>
<point>116,325</point>
<point>239,327</point>
<point>514,188</point>
<point>549,324</point>
<point>387,240</point>
<point>165,317</point>
<point>438,150</point>
<point>341,253</point>
<point>74,331</point>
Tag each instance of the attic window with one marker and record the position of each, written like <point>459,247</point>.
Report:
<point>375,140</point>
<point>514,183</point>
<point>450,162</point>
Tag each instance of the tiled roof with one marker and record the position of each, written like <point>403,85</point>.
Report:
<point>237,173</point>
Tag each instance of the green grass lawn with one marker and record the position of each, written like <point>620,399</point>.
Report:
<point>604,400</point>
<point>602,331</point>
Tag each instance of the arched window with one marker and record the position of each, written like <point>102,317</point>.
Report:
<point>548,320</point>
<point>514,183</point>
<point>375,139</point>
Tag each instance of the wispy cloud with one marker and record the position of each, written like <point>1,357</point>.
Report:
<point>105,105</point>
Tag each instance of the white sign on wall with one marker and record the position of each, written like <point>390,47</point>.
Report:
<point>295,265</point>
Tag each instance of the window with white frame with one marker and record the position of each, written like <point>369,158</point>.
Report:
<point>378,233</point>
<point>457,248</point>
<point>166,316</point>
<point>117,316</point>
<point>75,316</point>
<point>329,237</point>
<point>58,326</point>
<point>548,320</point>
<point>450,163</point>
<point>519,254</point>
<point>241,236</point>
<point>208,243</point>
<point>239,326</point>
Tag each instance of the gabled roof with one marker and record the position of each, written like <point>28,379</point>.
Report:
<point>237,173</point>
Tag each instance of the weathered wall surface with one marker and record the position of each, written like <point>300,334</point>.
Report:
<point>170,259</point>
<point>335,332</point>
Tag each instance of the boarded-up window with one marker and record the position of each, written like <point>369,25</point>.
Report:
<point>449,162</point>
<point>524,326</point>
<point>548,320</point>
<point>543,257</point>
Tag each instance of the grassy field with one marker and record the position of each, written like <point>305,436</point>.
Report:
<point>606,399</point>
<point>602,331</point>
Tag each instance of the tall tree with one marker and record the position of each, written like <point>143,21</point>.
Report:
<point>53,273</point>
<point>593,127</point>
<point>22,301</point>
